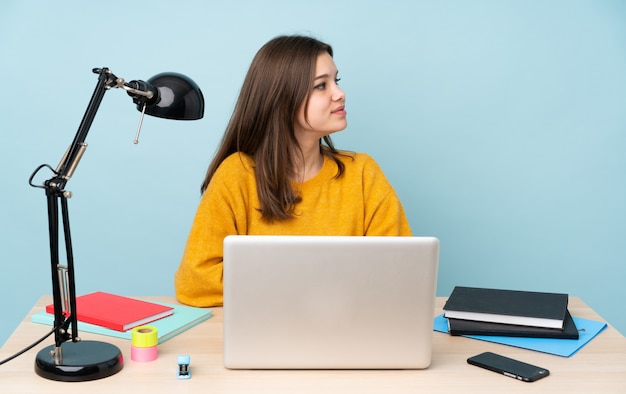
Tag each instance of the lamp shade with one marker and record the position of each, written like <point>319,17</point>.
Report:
<point>178,97</point>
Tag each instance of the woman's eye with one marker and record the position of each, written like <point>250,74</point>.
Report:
<point>322,85</point>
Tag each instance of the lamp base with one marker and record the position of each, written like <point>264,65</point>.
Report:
<point>82,361</point>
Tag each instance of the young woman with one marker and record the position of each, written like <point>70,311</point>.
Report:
<point>277,171</point>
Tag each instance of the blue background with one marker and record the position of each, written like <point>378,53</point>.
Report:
<point>501,125</point>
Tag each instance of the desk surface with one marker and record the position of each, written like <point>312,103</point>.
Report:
<point>600,367</point>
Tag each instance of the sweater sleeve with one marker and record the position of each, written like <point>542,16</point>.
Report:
<point>198,280</point>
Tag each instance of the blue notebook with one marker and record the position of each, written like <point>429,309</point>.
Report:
<point>183,318</point>
<point>588,329</point>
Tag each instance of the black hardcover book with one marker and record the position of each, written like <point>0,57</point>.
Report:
<point>470,327</point>
<point>525,308</point>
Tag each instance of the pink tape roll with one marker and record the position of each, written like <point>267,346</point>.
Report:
<point>143,354</point>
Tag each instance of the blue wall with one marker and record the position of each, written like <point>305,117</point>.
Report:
<point>502,125</point>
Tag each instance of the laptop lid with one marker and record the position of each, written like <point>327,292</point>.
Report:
<point>329,302</point>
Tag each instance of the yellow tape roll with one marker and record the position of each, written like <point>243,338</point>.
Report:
<point>145,336</point>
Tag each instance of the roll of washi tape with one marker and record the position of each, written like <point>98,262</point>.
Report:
<point>145,336</point>
<point>143,354</point>
<point>144,341</point>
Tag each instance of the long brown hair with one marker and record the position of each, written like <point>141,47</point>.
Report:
<point>278,82</point>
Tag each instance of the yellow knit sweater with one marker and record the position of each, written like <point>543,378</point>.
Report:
<point>360,202</point>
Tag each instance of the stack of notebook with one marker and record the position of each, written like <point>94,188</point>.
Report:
<point>479,311</point>
<point>114,315</point>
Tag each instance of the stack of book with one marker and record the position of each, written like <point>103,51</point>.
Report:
<point>480,311</point>
<point>114,315</point>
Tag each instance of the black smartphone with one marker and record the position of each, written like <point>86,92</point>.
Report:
<point>509,367</point>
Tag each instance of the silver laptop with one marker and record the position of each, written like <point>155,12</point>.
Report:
<point>329,302</point>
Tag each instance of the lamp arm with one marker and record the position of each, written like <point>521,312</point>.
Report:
<point>63,282</point>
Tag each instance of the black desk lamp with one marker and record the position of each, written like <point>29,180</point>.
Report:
<point>166,95</point>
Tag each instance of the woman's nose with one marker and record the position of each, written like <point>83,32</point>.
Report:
<point>338,94</point>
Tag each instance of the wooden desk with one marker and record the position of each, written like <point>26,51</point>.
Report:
<point>600,367</point>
